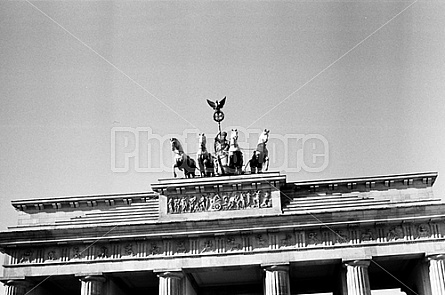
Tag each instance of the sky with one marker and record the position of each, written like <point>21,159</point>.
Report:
<point>91,91</point>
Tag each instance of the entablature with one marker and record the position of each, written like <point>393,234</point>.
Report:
<point>244,225</point>
<point>413,233</point>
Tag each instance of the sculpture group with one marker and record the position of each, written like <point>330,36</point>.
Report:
<point>228,158</point>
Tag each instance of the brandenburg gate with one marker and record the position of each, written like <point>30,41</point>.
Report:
<point>246,234</point>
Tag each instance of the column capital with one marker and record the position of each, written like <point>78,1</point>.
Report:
<point>19,283</point>
<point>362,263</point>
<point>95,278</point>
<point>276,267</point>
<point>175,274</point>
<point>435,257</point>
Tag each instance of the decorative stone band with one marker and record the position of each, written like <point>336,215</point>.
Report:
<point>221,243</point>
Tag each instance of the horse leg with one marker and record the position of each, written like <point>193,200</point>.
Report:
<point>174,172</point>
<point>239,163</point>
<point>267,160</point>
<point>203,166</point>
<point>192,166</point>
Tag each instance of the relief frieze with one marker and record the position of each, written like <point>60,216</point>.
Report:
<point>287,241</point>
<point>207,246</point>
<point>226,244</point>
<point>232,244</point>
<point>180,247</point>
<point>219,202</point>
<point>395,233</point>
<point>26,256</point>
<point>51,255</point>
<point>423,231</point>
<point>102,253</point>
<point>367,235</point>
<point>155,249</point>
<point>128,250</point>
<point>341,237</point>
<point>261,241</point>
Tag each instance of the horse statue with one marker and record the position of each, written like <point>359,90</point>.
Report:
<point>235,154</point>
<point>204,158</point>
<point>182,161</point>
<point>261,154</point>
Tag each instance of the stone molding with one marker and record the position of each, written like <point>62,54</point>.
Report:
<point>230,243</point>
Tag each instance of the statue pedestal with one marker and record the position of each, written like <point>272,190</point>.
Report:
<point>219,197</point>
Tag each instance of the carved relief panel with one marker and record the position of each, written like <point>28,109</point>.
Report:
<point>223,201</point>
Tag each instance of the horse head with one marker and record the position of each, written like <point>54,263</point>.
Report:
<point>234,134</point>
<point>202,140</point>
<point>264,137</point>
<point>176,145</point>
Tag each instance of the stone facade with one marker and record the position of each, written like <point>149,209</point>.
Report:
<point>248,234</point>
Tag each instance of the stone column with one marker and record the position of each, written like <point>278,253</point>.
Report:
<point>357,278</point>
<point>17,287</point>
<point>277,280</point>
<point>92,285</point>
<point>437,274</point>
<point>170,283</point>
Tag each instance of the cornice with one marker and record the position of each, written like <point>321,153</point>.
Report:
<point>171,186</point>
<point>362,184</point>
<point>81,201</point>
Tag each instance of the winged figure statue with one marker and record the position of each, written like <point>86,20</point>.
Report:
<point>217,105</point>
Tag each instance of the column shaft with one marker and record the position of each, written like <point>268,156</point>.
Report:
<point>92,285</point>
<point>277,280</point>
<point>170,283</point>
<point>357,277</point>
<point>437,274</point>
